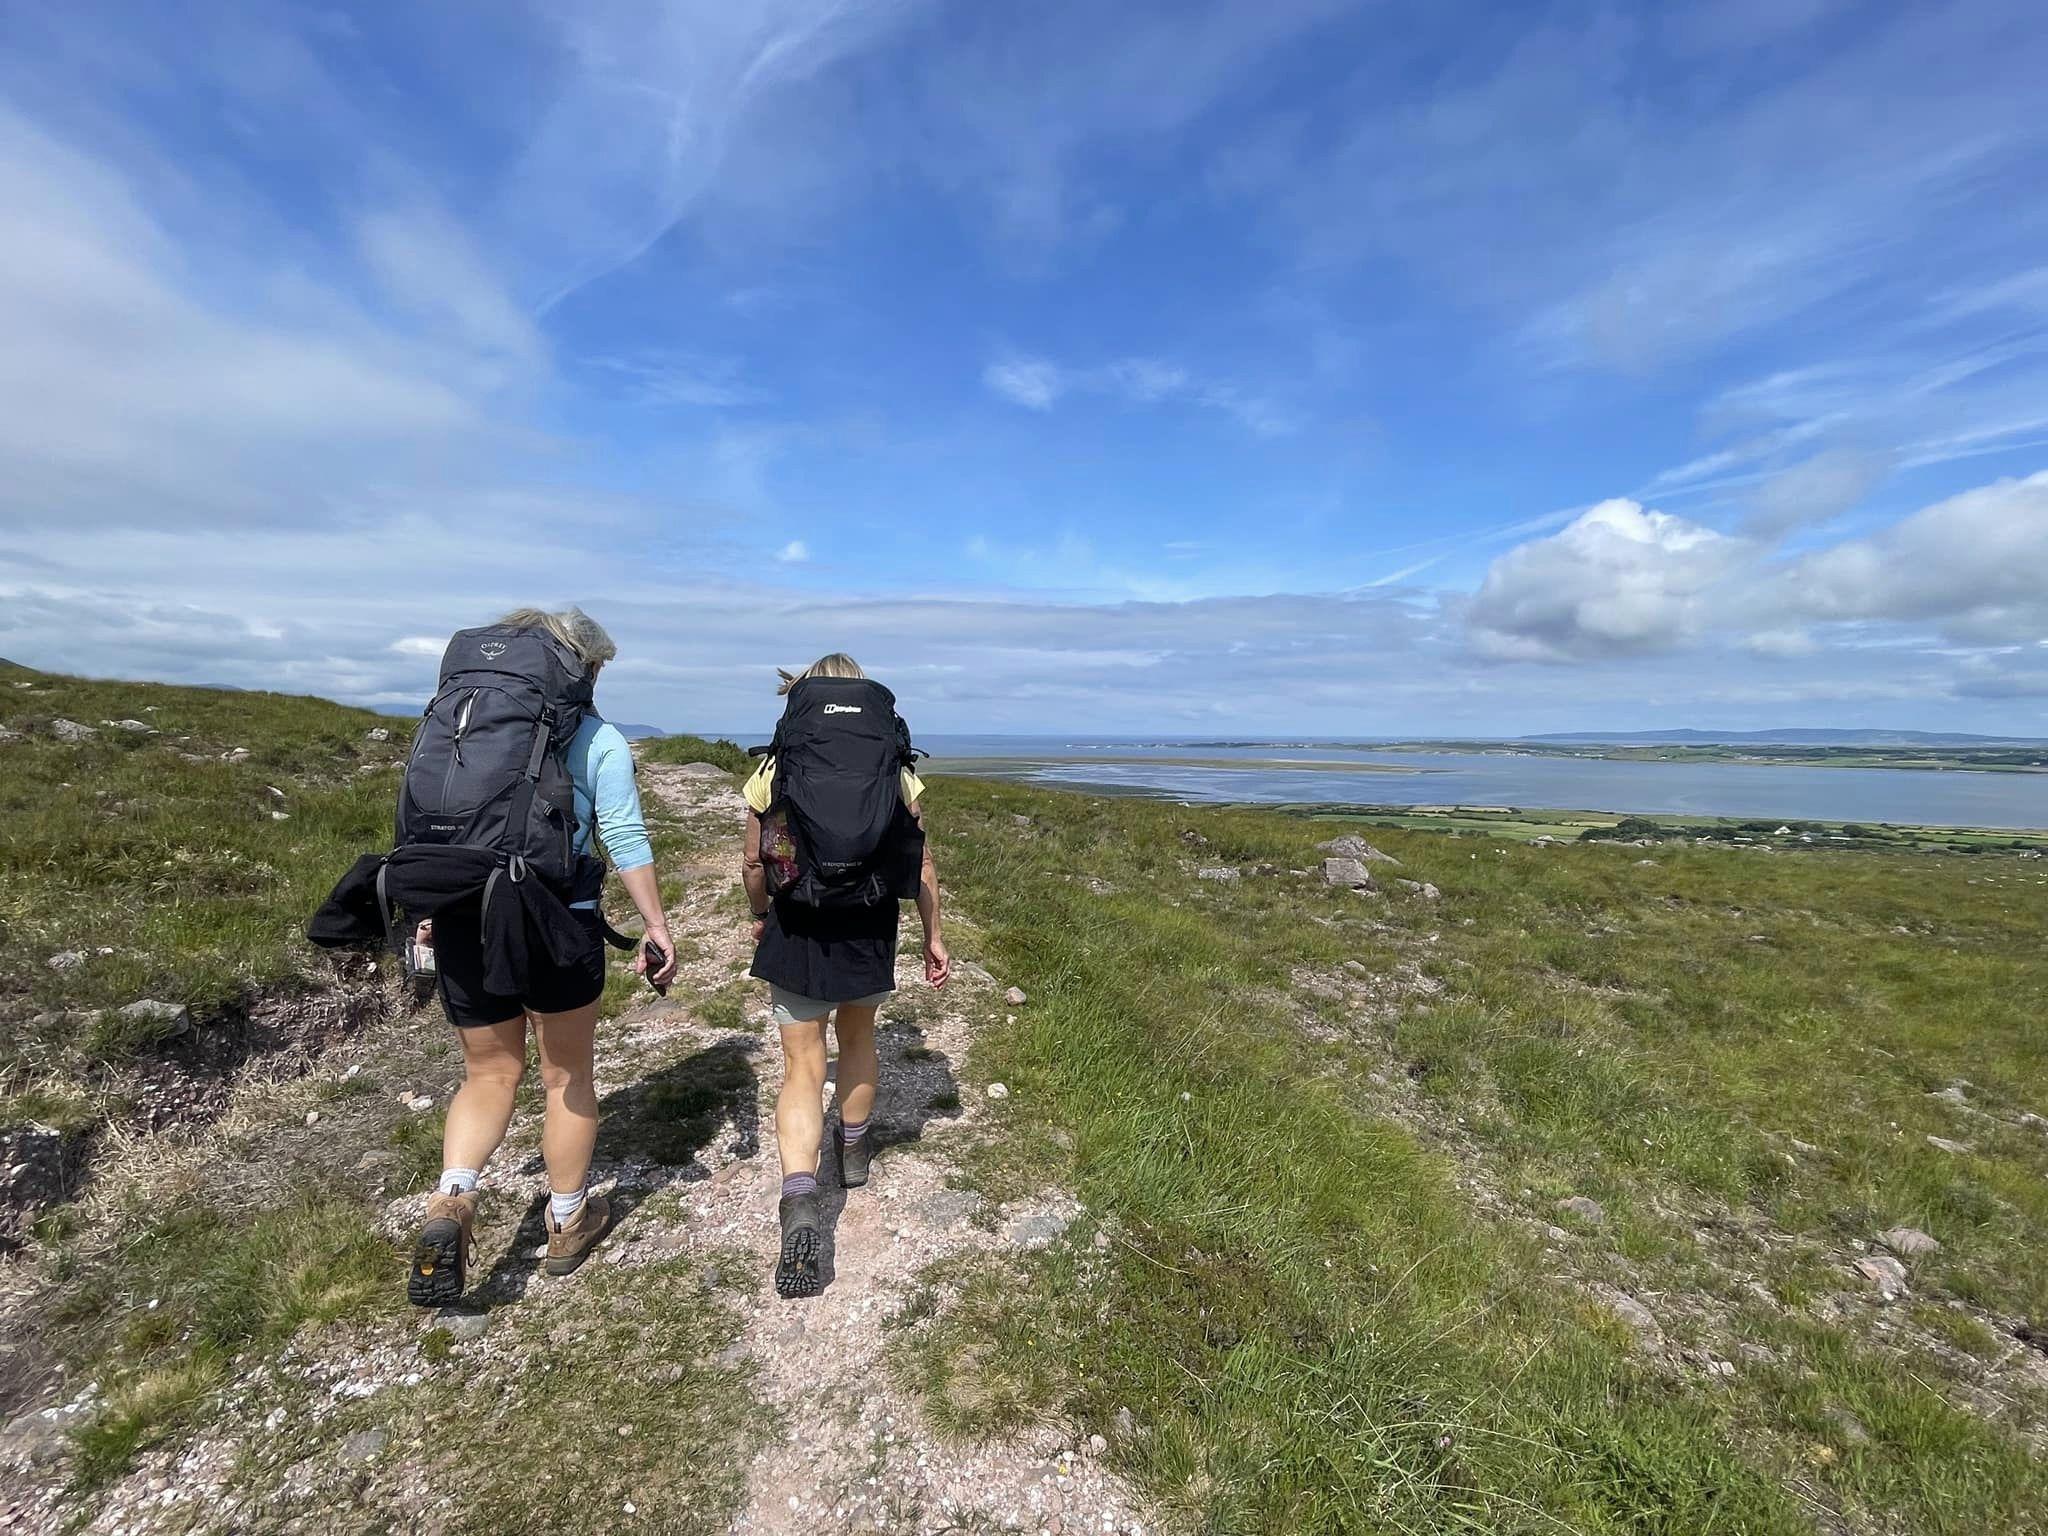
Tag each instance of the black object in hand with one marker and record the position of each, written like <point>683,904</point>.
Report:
<point>651,952</point>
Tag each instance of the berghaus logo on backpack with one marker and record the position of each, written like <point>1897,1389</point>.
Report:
<point>842,709</point>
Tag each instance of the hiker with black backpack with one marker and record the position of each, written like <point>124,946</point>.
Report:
<point>511,772</point>
<point>835,839</point>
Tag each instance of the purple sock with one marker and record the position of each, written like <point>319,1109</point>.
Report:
<point>799,1184</point>
<point>852,1130</point>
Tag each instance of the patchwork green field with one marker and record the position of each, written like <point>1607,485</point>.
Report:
<point>1569,1186</point>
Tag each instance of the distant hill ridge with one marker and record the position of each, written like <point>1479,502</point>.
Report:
<point>1821,736</point>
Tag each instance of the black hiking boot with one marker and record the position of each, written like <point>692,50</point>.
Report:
<point>797,1271</point>
<point>853,1158</point>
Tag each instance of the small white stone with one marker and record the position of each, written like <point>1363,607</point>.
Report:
<point>998,1091</point>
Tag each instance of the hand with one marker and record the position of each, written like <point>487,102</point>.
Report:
<point>938,964</point>
<point>424,934</point>
<point>660,939</point>
<point>760,928</point>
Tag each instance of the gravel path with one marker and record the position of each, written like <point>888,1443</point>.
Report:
<point>856,1453</point>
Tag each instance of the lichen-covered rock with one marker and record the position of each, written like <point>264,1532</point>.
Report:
<point>1353,847</point>
<point>1348,872</point>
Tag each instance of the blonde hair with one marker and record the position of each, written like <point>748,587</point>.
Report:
<point>838,664</point>
<point>573,627</point>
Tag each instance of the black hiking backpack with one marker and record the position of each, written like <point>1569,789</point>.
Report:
<point>487,767</point>
<point>837,833</point>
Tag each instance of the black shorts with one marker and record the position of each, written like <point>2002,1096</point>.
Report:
<point>459,959</point>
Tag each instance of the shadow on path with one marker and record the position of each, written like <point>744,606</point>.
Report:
<point>916,1087</point>
<point>650,1133</point>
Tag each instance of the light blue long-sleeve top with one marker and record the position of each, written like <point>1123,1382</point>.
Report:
<point>600,767</point>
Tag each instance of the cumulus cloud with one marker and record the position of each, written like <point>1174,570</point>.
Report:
<point>793,553</point>
<point>1976,564</point>
<point>1618,580</point>
<point>1942,600</point>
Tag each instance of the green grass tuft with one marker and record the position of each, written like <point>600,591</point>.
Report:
<point>694,749</point>
<point>160,1319</point>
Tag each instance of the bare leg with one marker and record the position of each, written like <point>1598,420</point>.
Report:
<point>493,1060</point>
<point>800,1106</point>
<point>569,1133</point>
<point>859,1067</point>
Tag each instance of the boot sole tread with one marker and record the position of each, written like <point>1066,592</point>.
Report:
<point>796,1272</point>
<point>436,1276</point>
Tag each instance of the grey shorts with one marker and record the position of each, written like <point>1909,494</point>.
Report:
<point>787,1007</point>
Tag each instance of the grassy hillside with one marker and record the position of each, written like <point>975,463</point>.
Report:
<point>1533,1205</point>
<point>174,859</point>
<point>1547,1192</point>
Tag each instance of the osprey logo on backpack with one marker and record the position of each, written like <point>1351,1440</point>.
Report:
<point>842,709</point>
<point>487,767</point>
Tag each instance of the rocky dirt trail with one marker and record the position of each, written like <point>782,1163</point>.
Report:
<point>853,1451</point>
<point>350,1430</point>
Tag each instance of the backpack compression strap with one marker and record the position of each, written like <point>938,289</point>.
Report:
<point>515,870</point>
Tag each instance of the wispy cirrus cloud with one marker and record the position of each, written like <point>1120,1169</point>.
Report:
<point>1039,384</point>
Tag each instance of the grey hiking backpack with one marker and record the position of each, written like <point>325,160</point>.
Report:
<point>487,768</point>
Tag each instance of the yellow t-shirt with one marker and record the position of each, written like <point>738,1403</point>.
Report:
<point>760,788</point>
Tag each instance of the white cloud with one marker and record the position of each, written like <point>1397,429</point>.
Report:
<point>1976,563</point>
<point>1941,585</point>
<point>1815,491</point>
<point>794,552</point>
<point>430,266</point>
<point>1782,644</point>
<point>1618,580</point>
<point>653,110</point>
<point>1038,384</point>
<point>1027,381</point>
<point>126,398</point>
<point>1147,379</point>
<point>428,646</point>
<point>676,379</point>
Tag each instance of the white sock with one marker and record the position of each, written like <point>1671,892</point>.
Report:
<point>565,1207</point>
<point>458,1181</point>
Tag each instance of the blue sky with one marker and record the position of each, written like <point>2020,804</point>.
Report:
<point>1290,366</point>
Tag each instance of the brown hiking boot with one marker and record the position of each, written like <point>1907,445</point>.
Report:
<point>569,1246</point>
<point>440,1259</point>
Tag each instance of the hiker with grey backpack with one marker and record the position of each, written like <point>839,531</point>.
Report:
<point>835,840</point>
<point>512,782</point>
